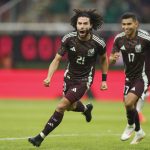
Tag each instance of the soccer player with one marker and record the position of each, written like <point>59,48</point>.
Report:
<point>82,46</point>
<point>133,44</point>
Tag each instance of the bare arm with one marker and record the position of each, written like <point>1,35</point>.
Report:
<point>104,63</point>
<point>52,68</point>
<point>104,68</point>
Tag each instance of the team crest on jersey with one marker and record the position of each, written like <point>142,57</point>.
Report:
<point>91,52</point>
<point>138,48</point>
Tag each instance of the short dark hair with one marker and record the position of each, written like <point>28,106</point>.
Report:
<point>95,19</point>
<point>129,15</point>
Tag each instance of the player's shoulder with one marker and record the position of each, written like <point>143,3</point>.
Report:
<point>98,39</point>
<point>68,36</point>
<point>143,34</point>
<point>119,36</point>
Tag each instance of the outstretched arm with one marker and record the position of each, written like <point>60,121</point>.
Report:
<point>52,68</point>
<point>104,68</point>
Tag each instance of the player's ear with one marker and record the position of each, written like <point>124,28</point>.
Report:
<point>137,23</point>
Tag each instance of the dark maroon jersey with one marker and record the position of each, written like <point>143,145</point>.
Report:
<point>81,55</point>
<point>134,53</point>
<point>145,35</point>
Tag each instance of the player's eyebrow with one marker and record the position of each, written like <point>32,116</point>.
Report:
<point>128,23</point>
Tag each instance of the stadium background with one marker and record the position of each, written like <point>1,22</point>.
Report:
<point>30,34</point>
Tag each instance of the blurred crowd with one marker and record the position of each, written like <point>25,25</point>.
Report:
<point>59,10</point>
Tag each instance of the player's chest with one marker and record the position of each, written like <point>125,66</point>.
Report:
<point>131,46</point>
<point>82,49</point>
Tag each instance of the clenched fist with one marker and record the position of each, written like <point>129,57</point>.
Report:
<point>103,85</point>
<point>46,82</point>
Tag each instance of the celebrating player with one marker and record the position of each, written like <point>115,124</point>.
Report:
<point>82,46</point>
<point>133,44</point>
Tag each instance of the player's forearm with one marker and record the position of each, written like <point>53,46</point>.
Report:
<point>52,68</point>
<point>104,65</point>
<point>54,65</point>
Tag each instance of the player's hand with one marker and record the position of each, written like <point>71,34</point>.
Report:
<point>116,56</point>
<point>104,85</point>
<point>46,82</point>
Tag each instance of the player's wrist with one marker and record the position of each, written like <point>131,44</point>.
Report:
<point>104,77</point>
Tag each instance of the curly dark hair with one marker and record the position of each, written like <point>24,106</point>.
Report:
<point>95,19</point>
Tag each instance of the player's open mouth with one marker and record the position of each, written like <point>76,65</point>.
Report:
<point>82,32</point>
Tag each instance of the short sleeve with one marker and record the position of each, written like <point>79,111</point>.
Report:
<point>63,47</point>
<point>101,49</point>
<point>116,45</point>
<point>100,44</point>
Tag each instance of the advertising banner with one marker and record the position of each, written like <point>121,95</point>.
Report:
<point>28,85</point>
<point>31,47</point>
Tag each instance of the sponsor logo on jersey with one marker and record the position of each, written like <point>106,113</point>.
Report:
<point>73,49</point>
<point>138,48</point>
<point>123,48</point>
<point>133,89</point>
<point>91,52</point>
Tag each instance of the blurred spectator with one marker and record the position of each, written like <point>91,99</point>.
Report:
<point>90,4</point>
<point>114,10</point>
<point>58,10</point>
<point>6,44</point>
<point>6,15</point>
<point>145,11</point>
<point>2,2</point>
<point>59,7</point>
<point>141,8</point>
